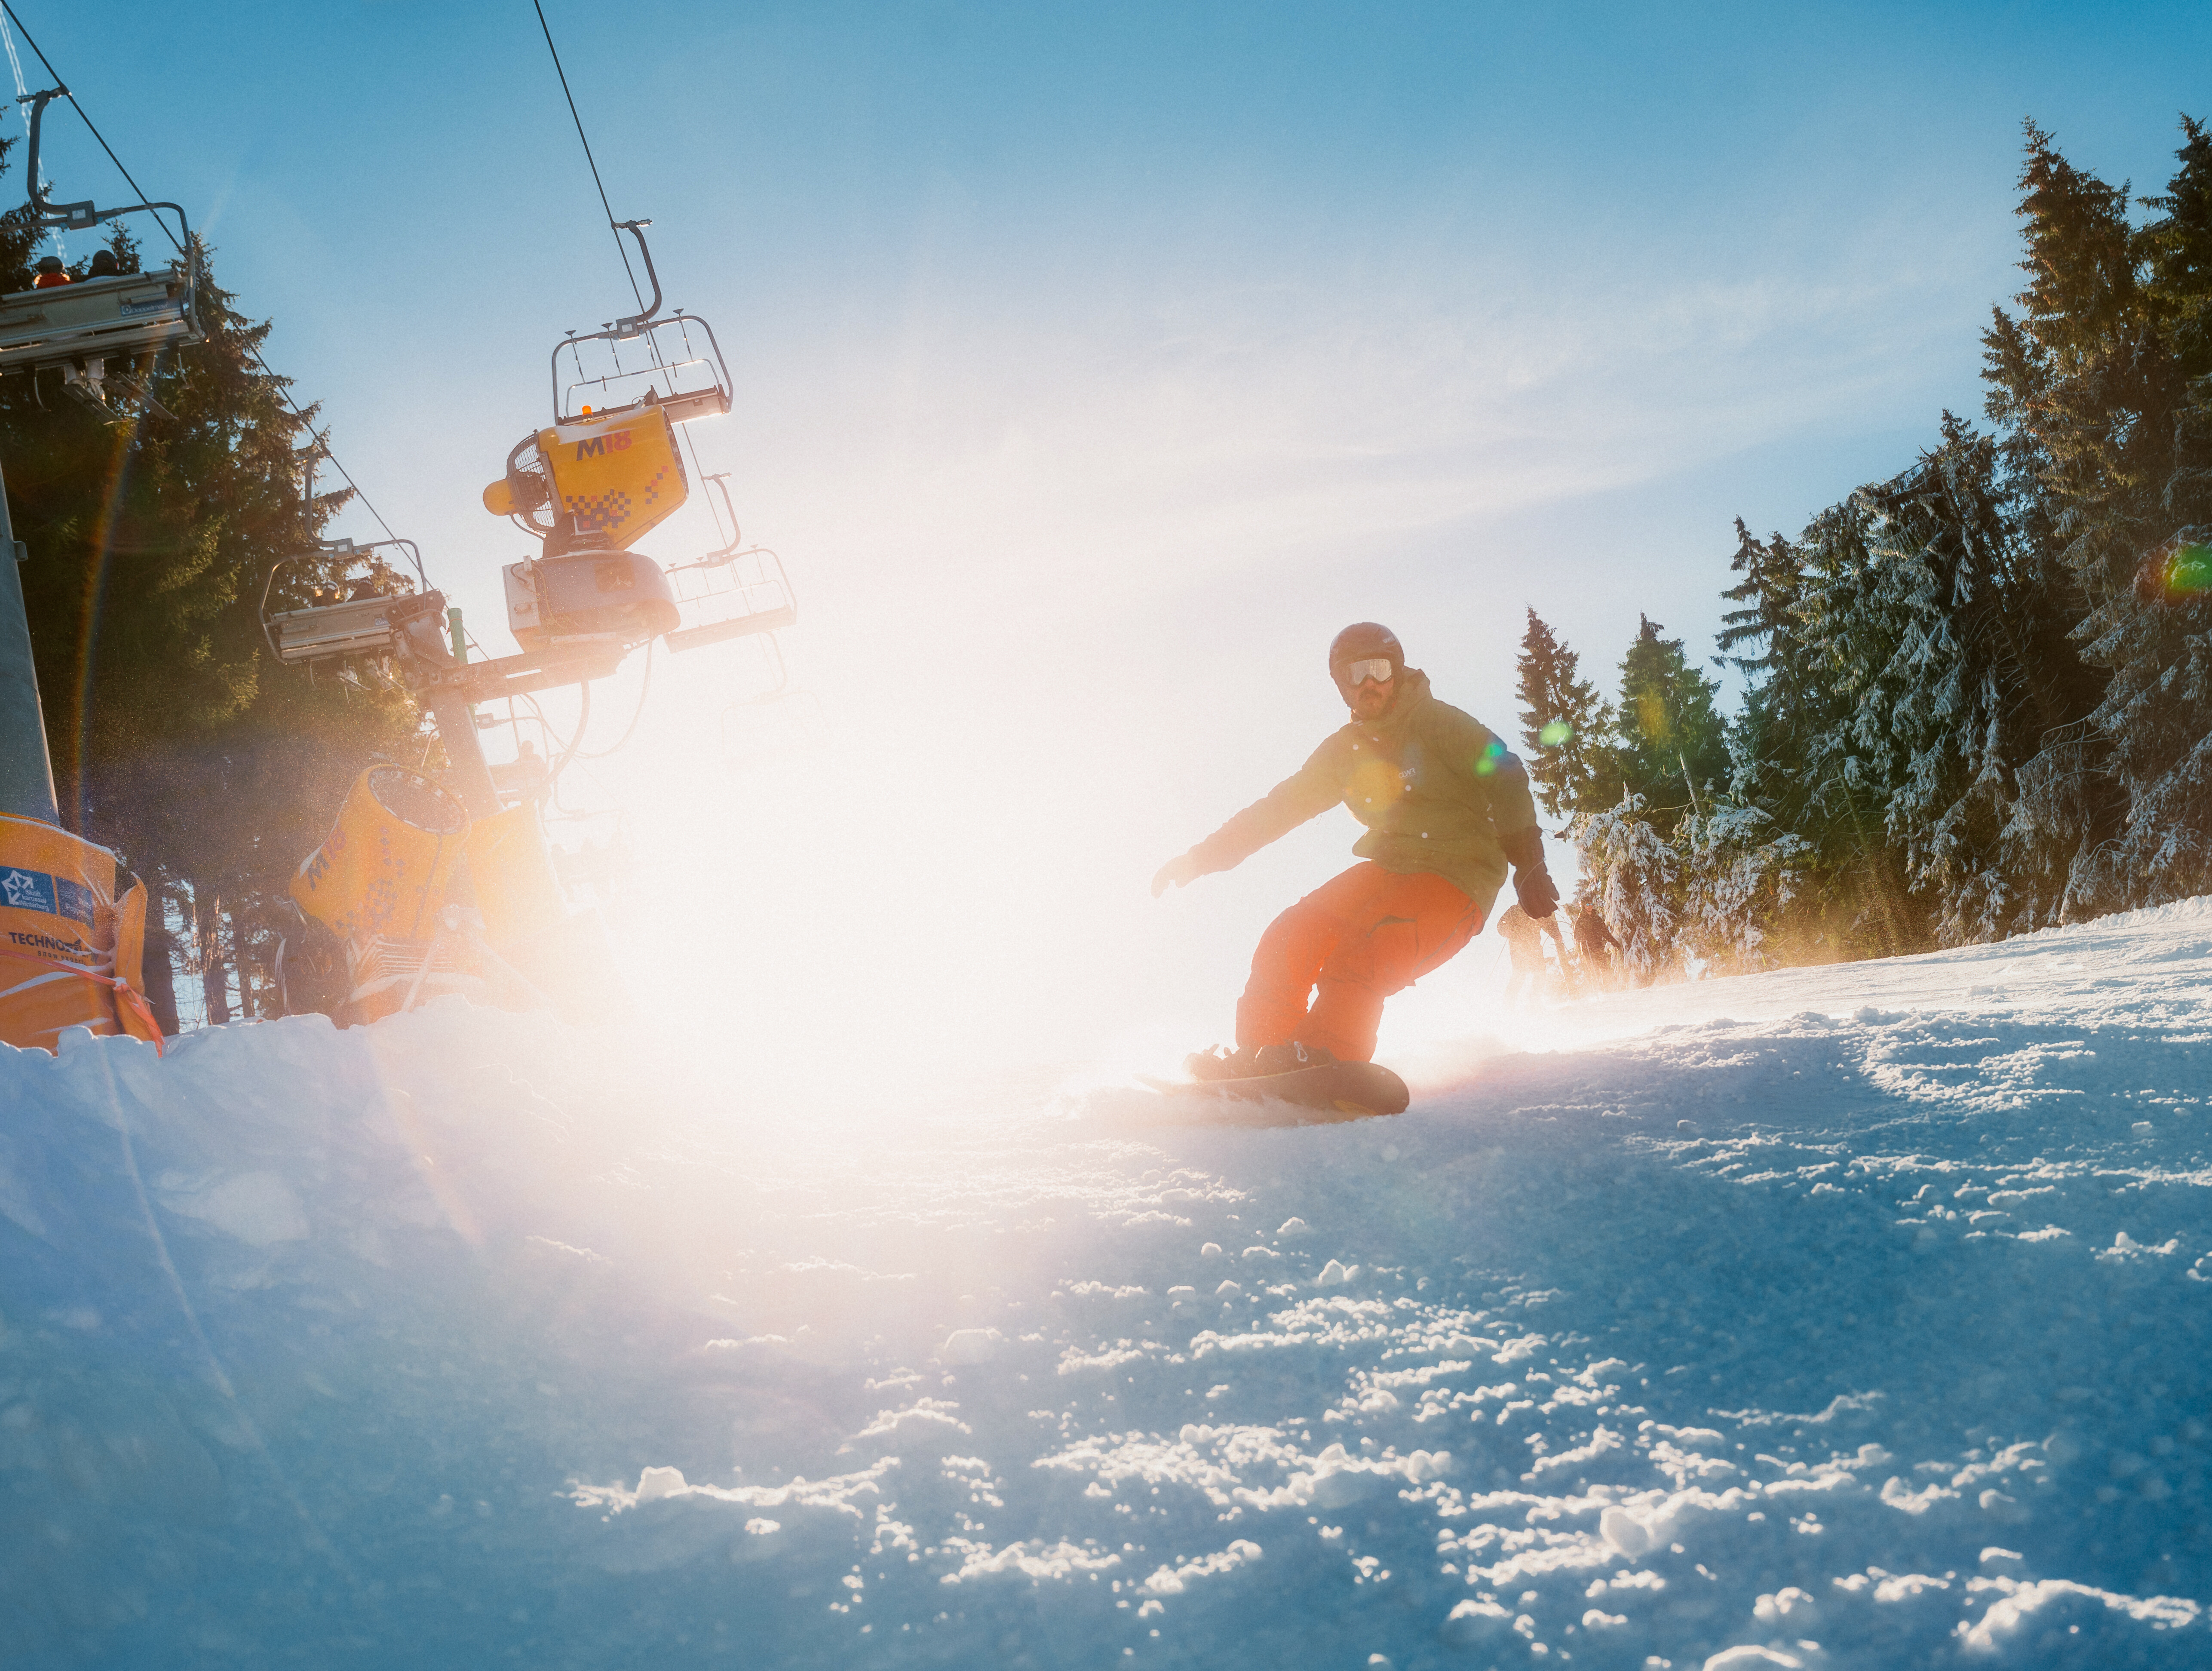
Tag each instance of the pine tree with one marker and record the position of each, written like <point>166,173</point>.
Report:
<point>2101,383</point>
<point>1674,743</point>
<point>1785,702</point>
<point>1740,879</point>
<point>1632,879</point>
<point>1566,727</point>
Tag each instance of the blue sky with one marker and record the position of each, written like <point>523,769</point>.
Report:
<point>1097,363</point>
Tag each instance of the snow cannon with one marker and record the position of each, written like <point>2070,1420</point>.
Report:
<point>409,898</point>
<point>71,950</point>
<point>601,482</point>
<point>589,489</point>
<point>372,896</point>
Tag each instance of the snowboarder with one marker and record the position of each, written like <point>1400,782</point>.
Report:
<point>1524,941</point>
<point>1594,941</point>
<point>1447,808</point>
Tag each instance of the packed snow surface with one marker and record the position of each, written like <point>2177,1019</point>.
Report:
<point>1840,1317</point>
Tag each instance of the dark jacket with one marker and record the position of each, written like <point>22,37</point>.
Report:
<point>1435,787</point>
<point>1592,937</point>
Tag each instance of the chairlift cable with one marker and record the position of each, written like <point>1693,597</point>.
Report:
<point>613,231</point>
<point>583,720</point>
<point>283,393</point>
<point>629,272</point>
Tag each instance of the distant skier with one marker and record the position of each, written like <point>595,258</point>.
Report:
<point>1594,941</point>
<point>1524,941</point>
<point>1446,807</point>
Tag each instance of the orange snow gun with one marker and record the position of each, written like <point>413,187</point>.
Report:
<point>70,952</point>
<point>418,900</point>
<point>377,883</point>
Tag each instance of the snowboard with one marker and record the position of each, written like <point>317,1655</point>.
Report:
<point>1334,1090</point>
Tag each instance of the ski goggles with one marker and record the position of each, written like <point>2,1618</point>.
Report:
<point>1353,674</point>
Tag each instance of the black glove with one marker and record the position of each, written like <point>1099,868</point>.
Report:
<point>1538,894</point>
<point>1532,883</point>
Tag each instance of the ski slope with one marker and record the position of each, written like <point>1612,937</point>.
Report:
<point>1844,1317</point>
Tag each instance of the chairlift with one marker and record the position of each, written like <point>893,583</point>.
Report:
<point>78,327</point>
<point>594,869</point>
<point>345,619</point>
<point>529,775</point>
<point>675,363</point>
<point>737,592</point>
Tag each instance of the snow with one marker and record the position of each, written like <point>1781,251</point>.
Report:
<point>1850,1316</point>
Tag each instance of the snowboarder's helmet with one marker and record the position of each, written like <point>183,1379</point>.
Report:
<point>1360,641</point>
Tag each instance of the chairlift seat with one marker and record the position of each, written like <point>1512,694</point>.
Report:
<point>665,369</point>
<point>743,625</point>
<point>129,313</point>
<point>730,594</point>
<point>679,408</point>
<point>363,626</point>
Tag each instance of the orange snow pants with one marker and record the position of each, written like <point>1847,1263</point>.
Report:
<point>1357,938</point>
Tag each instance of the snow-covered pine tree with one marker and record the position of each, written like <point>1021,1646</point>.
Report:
<point>1566,726</point>
<point>2104,385</point>
<point>1740,879</point>
<point>1632,877</point>
<point>1815,608</point>
<point>1978,673</point>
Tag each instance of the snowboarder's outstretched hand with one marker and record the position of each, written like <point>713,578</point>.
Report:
<point>1532,883</point>
<point>1178,873</point>
<point>1533,887</point>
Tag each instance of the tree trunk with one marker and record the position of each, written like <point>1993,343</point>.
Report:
<point>160,976</point>
<point>240,945</point>
<point>215,969</point>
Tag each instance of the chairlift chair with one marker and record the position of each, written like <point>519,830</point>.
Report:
<point>738,592</point>
<point>674,362</point>
<point>77,328</point>
<point>368,622</point>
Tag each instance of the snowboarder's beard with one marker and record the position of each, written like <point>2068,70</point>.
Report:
<point>1371,702</point>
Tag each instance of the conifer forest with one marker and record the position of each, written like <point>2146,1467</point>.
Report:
<point>1977,696</point>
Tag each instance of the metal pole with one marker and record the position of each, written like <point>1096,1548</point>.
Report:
<point>27,772</point>
<point>467,774</point>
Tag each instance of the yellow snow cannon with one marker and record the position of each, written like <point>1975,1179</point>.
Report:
<point>71,950</point>
<point>409,898</point>
<point>378,886</point>
<point>605,478</point>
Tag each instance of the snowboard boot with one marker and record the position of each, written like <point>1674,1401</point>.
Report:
<point>1219,1064</point>
<point>1288,1058</point>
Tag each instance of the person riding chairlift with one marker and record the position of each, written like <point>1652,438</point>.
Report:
<point>52,274</point>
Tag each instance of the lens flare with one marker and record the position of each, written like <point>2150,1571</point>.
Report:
<point>2176,575</point>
